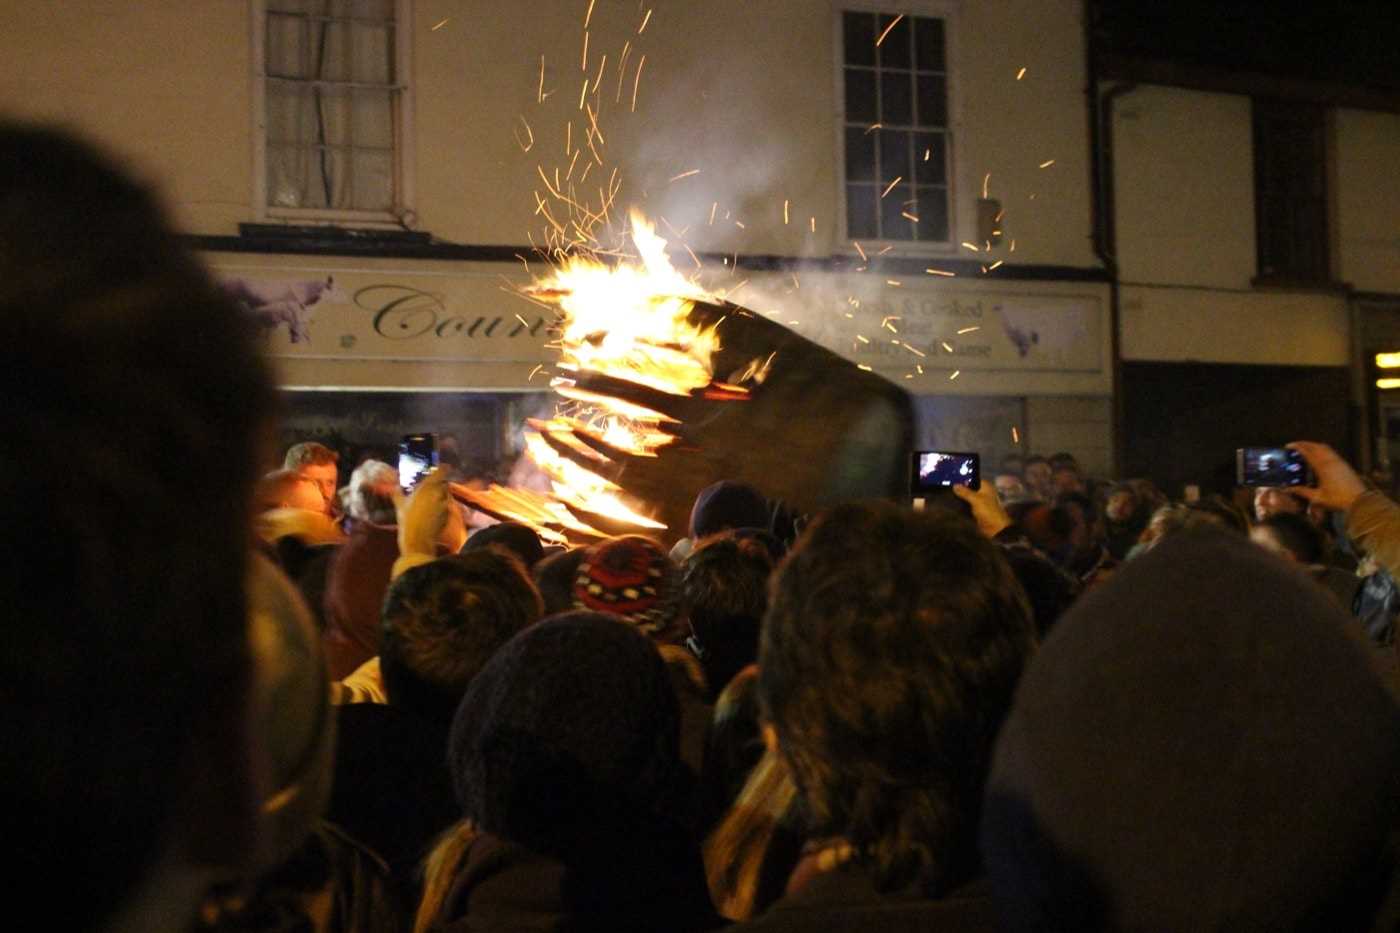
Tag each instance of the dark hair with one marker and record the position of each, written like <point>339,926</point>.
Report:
<point>1033,459</point>
<point>1304,540</point>
<point>1062,459</point>
<point>724,593</point>
<point>892,645</point>
<point>442,622</point>
<point>134,391</point>
<point>554,575</point>
<point>309,453</point>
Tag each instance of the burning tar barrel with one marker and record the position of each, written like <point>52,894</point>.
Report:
<point>807,427</point>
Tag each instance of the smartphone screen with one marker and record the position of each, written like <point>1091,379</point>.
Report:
<point>1270,466</point>
<point>417,455</point>
<point>940,469</point>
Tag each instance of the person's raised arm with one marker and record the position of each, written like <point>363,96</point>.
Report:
<point>1373,520</point>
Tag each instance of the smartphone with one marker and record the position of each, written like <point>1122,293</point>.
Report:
<point>940,469</point>
<point>1270,466</point>
<point>418,454</point>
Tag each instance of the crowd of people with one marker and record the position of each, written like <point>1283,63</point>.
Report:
<point>246,698</point>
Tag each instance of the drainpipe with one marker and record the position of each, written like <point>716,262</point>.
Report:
<point>1104,217</point>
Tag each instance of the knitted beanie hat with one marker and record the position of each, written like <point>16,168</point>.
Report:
<point>725,505</point>
<point>628,576</point>
<point>569,733</point>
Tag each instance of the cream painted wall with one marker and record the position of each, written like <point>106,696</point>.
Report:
<point>1275,327</point>
<point>1367,199</point>
<point>164,83</point>
<point>744,91</point>
<point>1184,187</point>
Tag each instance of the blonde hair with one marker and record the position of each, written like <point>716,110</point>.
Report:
<point>440,870</point>
<point>735,854</point>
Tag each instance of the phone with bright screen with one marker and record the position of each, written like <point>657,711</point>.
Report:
<point>942,469</point>
<point>1270,466</point>
<point>418,454</point>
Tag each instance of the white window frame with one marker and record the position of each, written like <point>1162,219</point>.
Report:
<point>960,207</point>
<point>402,214</point>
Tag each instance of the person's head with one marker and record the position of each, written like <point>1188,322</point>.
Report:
<point>1062,459</point>
<point>1178,517</point>
<point>372,488</point>
<point>723,594</point>
<point>316,462</point>
<point>891,647</point>
<point>1179,757</point>
<point>441,623</point>
<point>1036,473</point>
<point>1292,537</point>
<point>136,404</point>
<point>728,504</point>
<point>630,577</point>
<point>1123,507</point>
<point>1066,479</point>
<point>520,540</point>
<point>568,739</point>
<point>1273,500</point>
<point>288,489</point>
<point>1015,464</point>
<point>554,576</point>
<point>1009,487</point>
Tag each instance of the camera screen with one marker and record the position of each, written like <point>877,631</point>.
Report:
<point>934,469</point>
<point>1272,466</point>
<point>417,455</point>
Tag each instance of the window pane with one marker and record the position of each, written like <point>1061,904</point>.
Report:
<point>370,51</point>
<point>860,155</point>
<point>860,211</point>
<point>287,6</point>
<point>933,106</point>
<point>286,46</point>
<point>374,181</point>
<point>894,156</point>
<point>893,225</point>
<point>859,33</point>
<point>895,105</point>
<point>930,164</point>
<point>337,162</point>
<point>894,51</point>
<point>330,51</point>
<point>933,214</point>
<point>332,120</point>
<point>290,117</point>
<point>928,44</point>
<point>860,96</point>
<point>372,9</point>
<point>374,119</point>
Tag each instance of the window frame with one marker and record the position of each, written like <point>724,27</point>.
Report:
<point>959,216</point>
<point>1318,122</point>
<point>402,214</point>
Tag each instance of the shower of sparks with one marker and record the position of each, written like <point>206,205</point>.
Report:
<point>893,23</point>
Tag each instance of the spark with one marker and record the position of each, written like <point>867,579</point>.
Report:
<point>694,258</point>
<point>893,23</point>
<point>861,339</point>
<point>864,367</point>
<point>1021,74</point>
<point>570,173</point>
<point>919,367</point>
<point>995,264</point>
<point>593,127</point>
<point>569,137</point>
<point>972,246</point>
<point>645,19</point>
<point>522,320</point>
<point>890,187</point>
<point>539,94</point>
<point>885,321</point>
<point>583,92</point>
<point>602,64</point>
<point>940,272</point>
<point>534,372</point>
<point>637,81</point>
<point>946,345</point>
<point>984,270</point>
<point>740,225</point>
<point>1013,246</point>
<point>896,283</point>
<point>863,257</point>
<point>694,171</point>
<point>785,212</point>
<point>997,219</point>
<point>795,283</point>
<point>889,327</point>
<point>956,374</point>
<point>441,24</point>
<point>968,330</point>
<point>986,180</point>
<point>622,69</point>
<point>713,207</point>
<point>1015,435</point>
<point>589,15</point>
<point>1047,163</point>
<point>527,143</point>
<point>850,315</point>
<point>927,153</point>
<point>915,350</point>
<point>586,169</point>
<point>813,221</point>
<point>884,251</point>
<point>872,128</point>
<point>910,216</point>
<point>585,51</point>
<point>908,375</point>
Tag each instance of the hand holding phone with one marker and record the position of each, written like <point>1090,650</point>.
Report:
<point>1270,466</point>
<point>418,454</point>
